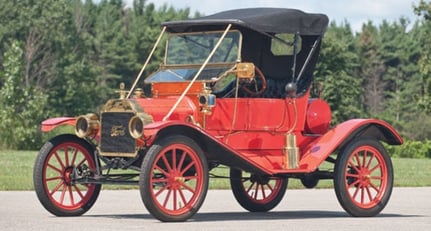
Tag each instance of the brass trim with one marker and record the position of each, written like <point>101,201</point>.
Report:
<point>117,154</point>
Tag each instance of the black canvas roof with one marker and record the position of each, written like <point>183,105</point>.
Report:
<point>269,20</point>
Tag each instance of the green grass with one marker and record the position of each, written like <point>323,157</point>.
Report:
<point>16,170</point>
<point>16,173</point>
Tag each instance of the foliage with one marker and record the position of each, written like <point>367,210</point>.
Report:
<point>21,106</point>
<point>336,71</point>
<point>424,9</point>
<point>411,149</point>
<point>73,54</point>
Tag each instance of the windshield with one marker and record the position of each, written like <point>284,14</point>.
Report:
<point>186,52</point>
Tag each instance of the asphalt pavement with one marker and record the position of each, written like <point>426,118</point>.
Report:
<point>307,209</point>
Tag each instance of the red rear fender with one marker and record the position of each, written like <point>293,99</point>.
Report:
<point>335,138</point>
<point>50,124</point>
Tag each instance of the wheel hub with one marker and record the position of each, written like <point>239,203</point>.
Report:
<point>263,180</point>
<point>175,180</point>
<point>67,175</point>
<point>364,177</point>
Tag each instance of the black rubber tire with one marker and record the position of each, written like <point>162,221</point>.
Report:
<point>251,202</point>
<point>51,176</point>
<point>363,183</point>
<point>185,182</point>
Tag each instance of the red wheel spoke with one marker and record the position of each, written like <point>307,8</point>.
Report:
<point>161,190</point>
<point>183,197</point>
<point>256,191</point>
<point>72,201</point>
<point>75,154</point>
<point>191,177</point>
<point>375,167</point>
<point>250,187</point>
<point>263,191</point>
<point>63,193</point>
<point>362,196</point>
<point>357,181</point>
<point>77,190</point>
<point>160,180</point>
<point>370,160</point>
<point>188,188</point>
<point>351,164</point>
<point>167,198</point>
<point>161,170</point>
<point>375,187</point>
<point>270,187</point>
<point>59,160</point>
<point>370,197</point>
<point>166,162</point>
<point>364,158</point>
<point>358,161</point>
<point>174,202</point>
<point>55,168</point>
<point>174,159</point>
<point>81,163</point>
<point>355,193</point>
<point>66,156</point>
<point>187,167</point>
<point>352,175</point>
<point>181,162</point>
<point>56,188</point>
<point>376,178</point>
<point>53,178</point>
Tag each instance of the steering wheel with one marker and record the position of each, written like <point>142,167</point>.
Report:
<point>256,91</point>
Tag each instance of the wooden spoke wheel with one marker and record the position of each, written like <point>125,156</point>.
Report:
<point>255,192</point>
<point>174,178</point>
<point>58,163</point>
<point>363,178</point>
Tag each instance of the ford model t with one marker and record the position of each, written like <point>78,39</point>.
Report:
<point>234,89</point>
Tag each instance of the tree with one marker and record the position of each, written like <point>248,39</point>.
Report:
<point>22,107</point>
<point>372,69</point>
<point>424,9</point>
<point>336,70</point>
<point>400,53</point>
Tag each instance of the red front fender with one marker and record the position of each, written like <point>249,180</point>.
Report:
<point>50,124</point>
<point>320,149</point>
<point>214,149</point>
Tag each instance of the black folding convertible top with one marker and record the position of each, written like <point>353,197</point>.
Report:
<point>268,20</point>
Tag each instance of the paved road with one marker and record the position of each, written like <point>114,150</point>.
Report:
<point>409,209</point>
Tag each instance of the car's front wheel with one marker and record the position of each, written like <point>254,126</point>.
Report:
<point>174,178</point>
<point>58,163</point>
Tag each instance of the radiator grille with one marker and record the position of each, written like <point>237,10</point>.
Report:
<point>115,137</point>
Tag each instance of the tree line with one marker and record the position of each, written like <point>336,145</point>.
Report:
<point>66,57</point>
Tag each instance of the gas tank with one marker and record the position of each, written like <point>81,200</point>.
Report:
<point>318,117</point>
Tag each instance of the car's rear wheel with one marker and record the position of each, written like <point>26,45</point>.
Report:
<point>256,192</point>
<point>363,178</point>
<point>174,178</point>
<point>59,162</point>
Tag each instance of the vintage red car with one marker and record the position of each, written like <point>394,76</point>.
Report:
<point>233,90</point>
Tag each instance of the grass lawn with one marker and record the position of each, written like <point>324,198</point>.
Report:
<point>16,173</point>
